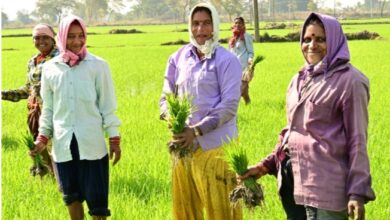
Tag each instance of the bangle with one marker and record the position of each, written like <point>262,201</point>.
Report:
<point>197,131</point>
<point>115,140</point>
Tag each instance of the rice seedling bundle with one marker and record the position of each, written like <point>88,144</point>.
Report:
<point>178,111</point>
<point>250,70</point>
<point>249,191</point>
<point>38,167</point>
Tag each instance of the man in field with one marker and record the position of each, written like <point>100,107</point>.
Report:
<point>210,77</point>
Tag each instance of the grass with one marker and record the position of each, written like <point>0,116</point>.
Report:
<point>140,184</point>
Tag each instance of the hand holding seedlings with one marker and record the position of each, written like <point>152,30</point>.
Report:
<point>38,167</point>
<point>38,148</point>
<point>249,191</point>
<point>185,138</point>
<point>182,136</point>
<point>253,171</point>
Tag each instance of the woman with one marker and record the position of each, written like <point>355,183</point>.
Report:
<point>241,45</point>
<point>201,183</point>
<point>43,38</point>
<point>322,163</point>
<point>78,108</point>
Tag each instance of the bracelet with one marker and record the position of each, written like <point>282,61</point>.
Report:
<point>115,140</point>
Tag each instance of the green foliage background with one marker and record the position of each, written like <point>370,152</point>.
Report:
<point>140,184</point>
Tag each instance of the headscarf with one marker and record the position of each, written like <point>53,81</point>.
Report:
<point>42,30</point>
<point>336,42</point>
<point>62,36</point>
<point>238,32</point>
<point>209,47</point>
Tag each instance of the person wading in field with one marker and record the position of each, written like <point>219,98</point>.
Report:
<point>321,161</point>
<point>241,45</point>
<point>210,77</point>
<point>43,38</point>
<point>78,107</point>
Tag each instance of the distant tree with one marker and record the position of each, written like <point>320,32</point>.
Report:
<point>115,5</point>
<point>53,10</point>
<point>79,9</point>
<point>4,19</point>
<point>232,7</point>
<point>179,8</point>
<point>282,5</point>
<point>95,9</point>
<point>292,7</point>
<point>382,6</point>
<point>256,20</point>
<point>23,17</point>
<point>301,5</point>
<point>312,6</point>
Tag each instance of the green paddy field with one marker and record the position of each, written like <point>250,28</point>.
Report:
<point>140,184</point>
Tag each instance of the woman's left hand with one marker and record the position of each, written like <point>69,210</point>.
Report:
<point>115,150</point>
<point>356,210</point>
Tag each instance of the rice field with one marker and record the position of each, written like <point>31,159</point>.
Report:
<point>140,184</point>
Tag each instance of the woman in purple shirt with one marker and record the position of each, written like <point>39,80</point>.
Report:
<point>210,75</point>
<point>321,161</point>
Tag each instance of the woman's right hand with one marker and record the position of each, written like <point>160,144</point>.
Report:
<point>253,171</point>
<point>39,147</point>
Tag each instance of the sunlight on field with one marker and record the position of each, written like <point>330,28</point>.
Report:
<point>141,182</point>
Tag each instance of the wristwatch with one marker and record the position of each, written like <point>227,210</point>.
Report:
<point>197,132</point>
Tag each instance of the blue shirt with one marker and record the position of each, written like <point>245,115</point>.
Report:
<point>243,49</point>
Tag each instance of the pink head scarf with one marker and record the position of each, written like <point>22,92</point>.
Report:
<point>62,36</point>
<point>43,29</point>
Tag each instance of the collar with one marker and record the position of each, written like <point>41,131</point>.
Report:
<point>88,57</point>
<point>192,51</point>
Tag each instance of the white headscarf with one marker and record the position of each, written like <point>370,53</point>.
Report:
<point>209,47</point>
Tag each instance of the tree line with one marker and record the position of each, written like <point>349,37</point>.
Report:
<point>173,11</point>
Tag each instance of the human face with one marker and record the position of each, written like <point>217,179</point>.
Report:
<point>202,27</point>
<point>43,43</point>
<point>76,38</point>
<point>238,23</point>
<point>314,44</point>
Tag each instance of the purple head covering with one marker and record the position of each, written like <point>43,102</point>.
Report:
<point>336,42</point>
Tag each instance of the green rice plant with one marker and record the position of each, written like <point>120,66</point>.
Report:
<point>250,191</point>
<point>178,111</point>
<point>250,70</point>
<point>39,167</point>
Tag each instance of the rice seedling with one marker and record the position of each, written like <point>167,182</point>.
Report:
<point>178,111</point>
<point>38,167</point>
<point>250,70</point>
<point>250,191</point>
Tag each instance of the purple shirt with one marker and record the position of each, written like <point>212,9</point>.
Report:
<point>327,130</point>
<point>213,85</point>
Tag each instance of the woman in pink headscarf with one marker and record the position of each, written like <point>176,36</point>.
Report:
<point>43,39</point>
<point>79,106</point>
